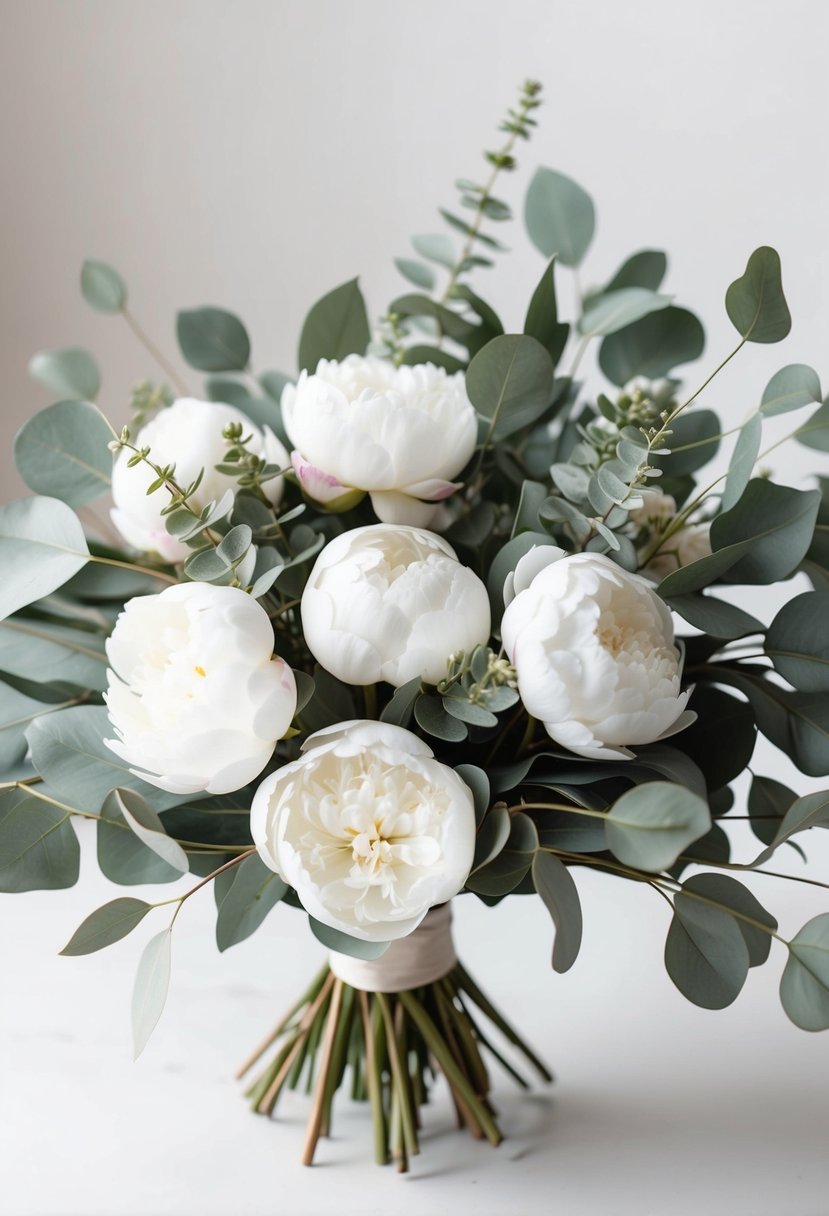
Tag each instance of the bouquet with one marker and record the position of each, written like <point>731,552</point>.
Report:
<point>433,618</point>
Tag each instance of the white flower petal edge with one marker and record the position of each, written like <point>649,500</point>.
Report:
<point>189,434</point>
<point>196,697</point>
<point>390,603</point>
<point>363,425</point>
<point>368,827</point>
<point>594,650</point>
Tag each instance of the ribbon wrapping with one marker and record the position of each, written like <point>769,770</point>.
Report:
<point>424,956</point>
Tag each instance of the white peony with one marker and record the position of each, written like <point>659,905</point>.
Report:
<point>399,433</point>
<point>685,546</point>
<point>196,697</point>
<point>391,603</point>
<point>189,434</point>
<point>368,828</point>
<point>594,650</point>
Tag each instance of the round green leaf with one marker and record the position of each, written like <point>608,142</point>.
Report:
<point>705,953</point>
<point>416,272</point>
<point>789,389</point>
<point>102,287</point>
<point>510,383</point>
<point>650,825</point>
<point>336,326</point>
<point>69,372</point>
<point>804,988</point>
<point>436,248</point>
<point>560,216</point>
<point>554,883</point>
<point>106,925</point>
<point>41,546</point>
<point>613,310</point>
<point>798,641</point>
<point>755,302</point>
<point>694,440</point>
<point>768,801</point>
<point>644,269</point>
<point>723,889</point>
<point>62,451</point>
<point>653,346</point>
<point>815,432</point>
<point>39,850</point>
<point>213,340</point>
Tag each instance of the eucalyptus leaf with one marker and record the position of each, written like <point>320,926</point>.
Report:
<point>336,326</point>
<point>542,321</point>
<point>41,546</point>
<point>32,647</point>
<point>212,339</point>
<point>653,346</point>
<point>796,722</point>
<point>507,869</point>
<point>755,302</point>
<point>650,825</point>
<point>478,783</point>
<point>416,272</point>
<point>433,718</point>
<point>815,432</point>
<point>554,883</point>
<point>717,618</point>
<point>123,857</point>
<point>613,310</point>
<point>253,891</point>
<point>791,388</point>
<point>106,925</point>
<point>436,248</point>
<point>743,460</point>
<point>16,712</point>
<point>695,439</point>
<point>148,827</point>
<point>723,889</point>
<point>510,383</point>
<point>102,286</point>
<point>768,802</point>
<point>493,834</point>
<point>804,987</point>
<point>344,943</point>
<point>149,994</point>
<point>719,716</point>
<point>559,216</point>
<point>38,846</point>
<point>62,452</point>
<point>68,372</point>
<point>706,955</point>
<point>398,712</point>
<point>810,811</point>
<point>644,269</point>
<point>798,641</point>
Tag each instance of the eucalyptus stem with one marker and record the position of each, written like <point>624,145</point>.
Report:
<point>154,351</point>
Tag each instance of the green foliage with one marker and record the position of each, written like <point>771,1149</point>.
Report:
<point>789,389</point>
<point>41,546</point>
<point>149,993</point>
<point>554,883</point>
<point>542,321</point>
<point>107,925</point>
<point>102,287</point>
<point>706,955</point>
<point>755,302</point>
<point>62,452</point>
<point>559,216</point>
<point>650,825</point>
<point>253,891</point>
<point>510,383</point>
<point>344,943</point>
<point>644,269</point>
<point>653,346</point>
<point>804,988</point>
<point>613,310</point>
<point>336,326</point>
<point>797,642</point>
<point>38,846</point>
<point>69,372</point>
<point>213,340</point>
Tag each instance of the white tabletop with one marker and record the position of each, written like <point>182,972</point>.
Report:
<point>657,1106</point>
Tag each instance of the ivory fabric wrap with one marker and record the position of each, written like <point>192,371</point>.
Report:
<point>425,955</point>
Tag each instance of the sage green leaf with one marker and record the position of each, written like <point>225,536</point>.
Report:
<point>432,354</point>
<point>433,718</point>
<point>554,883</point>
<point>493,834</point>
<point>336,326</point>
<point>542,321</point>
<point>743,460</point>
<point>815,433</point>
<point>16,712</point>
<point>62,452</point>
<point>212,339</point>
<point>422,276</point>
<point>694,440</point>
<point>810,811</point>
<point>149,995</point>
<point>705,953</point>
<point>804,987</point>
<point>762,539</point>
<point>467,711</point>
<point>768,802</point>
<point>508,868</point>
<point>254,890</point>
<point>644,269</point>
<point>147,826</point>
<point>102,286</point>
<point>719,716</point>
<point>69,752</point>
<point>504,563</point>
<point>97,581</point>
<point>717,618</point>
<point>123,857</point>
<point>32,647</point>
<point>38,846</point>
<point>332,702</point>
<point>791,388</point>
<point>650,825</point>
<point>344,943</point>
<point>69,372</point>
<point>613,310</point>
<point>399,710</point>
<point>449,324</point>
<point>478,783</point>
<point>436,248</point>
<point>798,641</point>
<point>559,216</point>
<point>533,494</point>
<point>41,546</point>
<point>653,346</point>
<point>723,889</point>
<point>796,722</point>
<point>107,925</point>
<point>510,383</point>
<point>755,302</point>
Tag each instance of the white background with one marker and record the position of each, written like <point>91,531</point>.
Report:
<point>253,155</point>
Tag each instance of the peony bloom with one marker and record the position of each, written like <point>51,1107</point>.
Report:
<point>189,434</point>
<point>594,650</point>
<point>685,546</point>
<point>195,697</point>
<point>399,433</point>
<point>368,828</point>
<point>391,603</point>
